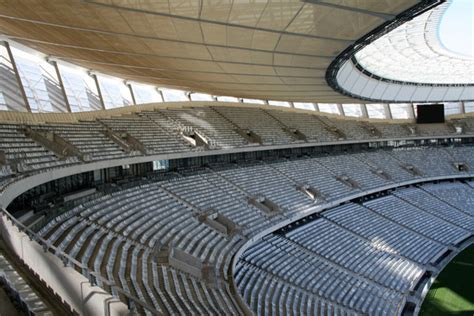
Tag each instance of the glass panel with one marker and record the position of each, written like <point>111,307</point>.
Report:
<point>81,90</point>
<point>352,110</point>
<point>11,98</point>
<point>279,103</point>
<point>146,93</point>
<point>254,101</point>
<point>328,108</point>
<point>227,99</point>
<point>401,110</point>
<point>376,111</point>
<point>201,97</point>
<point>304,105</point>
<point>115,92</point>
<point>40,82</point>
<point>451,108</point>
<point>172,95</point>
<point>469,107</point>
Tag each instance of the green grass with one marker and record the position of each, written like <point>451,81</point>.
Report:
<point>453,291</point>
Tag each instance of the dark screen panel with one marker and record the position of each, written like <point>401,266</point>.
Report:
<point>430,113</point>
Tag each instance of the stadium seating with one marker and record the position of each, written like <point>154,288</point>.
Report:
<point>379,249</point>
<point>164,240</point>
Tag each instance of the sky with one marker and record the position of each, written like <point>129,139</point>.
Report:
<point>456,30</point>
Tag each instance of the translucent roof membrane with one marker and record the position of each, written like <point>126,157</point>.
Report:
<point>413,53</point>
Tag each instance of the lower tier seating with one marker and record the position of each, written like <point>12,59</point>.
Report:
<point>353,259</point>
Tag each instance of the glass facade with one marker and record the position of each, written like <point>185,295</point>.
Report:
<point>413,53</point>
<point>115,92</point>
<point>279,103</point>
<point>11,98</point>
<point>146,93</point>
<point>376,111</point>
<point>328,108</point>
<point>304,105</point>
<point>80,89</point>
<point>173,95</point>
<point>40,82</point>
<point>201,97</point>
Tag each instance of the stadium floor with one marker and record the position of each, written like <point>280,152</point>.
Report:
<point>453,291</point>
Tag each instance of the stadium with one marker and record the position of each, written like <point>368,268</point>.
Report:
<point>236,157</point>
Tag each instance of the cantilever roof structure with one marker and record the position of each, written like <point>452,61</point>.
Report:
<point>267,49</point>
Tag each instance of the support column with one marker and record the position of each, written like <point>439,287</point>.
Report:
<point>160,93</point>
<point>462,108</point>
<point>99,92</point>
<point>17,76</point>
<point>316,107</point>
<point>61,84</point>
<point>411,112</point>
<point>340,108</point>
<point>292,105</point>
<point>388,111</point>
<point>363,108</point>
<point>130,88</point>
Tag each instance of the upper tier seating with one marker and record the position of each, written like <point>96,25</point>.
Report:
<point>164,131</point>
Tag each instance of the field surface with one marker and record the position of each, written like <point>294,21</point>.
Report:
<point>453,291</point>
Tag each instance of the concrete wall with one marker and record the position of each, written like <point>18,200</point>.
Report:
<point>69,284</point>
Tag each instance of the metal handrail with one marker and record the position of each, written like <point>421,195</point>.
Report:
<point>70,261</point>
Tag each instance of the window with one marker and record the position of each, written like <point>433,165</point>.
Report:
<point>279,103</point>
<point>227,99</point>
<point>352,110</point>
<point>304,105</point>
<point>254,101</point>
<point>10,93</point>
<point>114,92</point>
<point>451,108</point>
<point>172,95</point>
<point>376,111</point>
<point>201,97</point>
<point>81,90</point>
<point>328,108</point>
<point>401,110</point>
<point>146,93</point>
<point>40,82</point>
<point>469,107</point>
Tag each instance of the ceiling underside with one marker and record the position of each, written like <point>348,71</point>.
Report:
<point>255,49</point>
